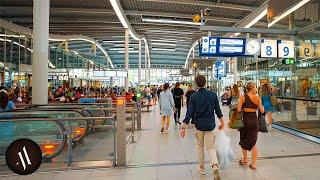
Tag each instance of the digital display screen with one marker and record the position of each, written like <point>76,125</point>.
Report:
<point>216,46</point>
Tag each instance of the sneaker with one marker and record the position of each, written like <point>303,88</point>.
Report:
<point>162,129</point>
<point>216,173</point>
<point>201,171</point>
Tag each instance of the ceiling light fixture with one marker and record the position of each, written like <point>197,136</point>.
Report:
<point>162,49</point>
<point>287,12</point>
<point>119,13</point>
<point>164,40</point>
<point>168,31</point>
<point>91,62</point>
<point>163,44</point>
<point>254,21</point>
<point>124,21</point>
<point>122,52</point>
<point>170,21</point>
<point>119,49</point>
<point>16,36</point>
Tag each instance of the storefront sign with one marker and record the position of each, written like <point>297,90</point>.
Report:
<point>286,49</point>
<point>306,50</point>
<point>269,48</point>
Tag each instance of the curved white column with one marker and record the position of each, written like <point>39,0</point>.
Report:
<point>40,52</point>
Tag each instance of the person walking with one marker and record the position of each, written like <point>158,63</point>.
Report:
<point>202,106</point>
<point>266,102</point>
<point>178,102</point>
<point>188,95</point>
<point>235,95</point>
<point>160,89</point>
<point>249,103</point>
<point>154,94</point>
<point>166,104</point>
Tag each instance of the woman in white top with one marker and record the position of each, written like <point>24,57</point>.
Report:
<point>166,106</point>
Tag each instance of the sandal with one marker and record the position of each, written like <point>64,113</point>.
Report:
<point>253,168</point>
<point>242,163</point>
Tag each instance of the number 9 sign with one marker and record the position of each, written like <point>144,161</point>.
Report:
<point>306,50</point>
<point>286,49</point>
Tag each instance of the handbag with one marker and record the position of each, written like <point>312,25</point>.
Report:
<point>274,101</point>
<point>262,123</point>
<point>238,121</point>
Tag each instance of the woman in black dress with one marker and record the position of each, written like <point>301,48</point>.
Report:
<point>249,104</point>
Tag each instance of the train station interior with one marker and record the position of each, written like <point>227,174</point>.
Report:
<point>88,82</point>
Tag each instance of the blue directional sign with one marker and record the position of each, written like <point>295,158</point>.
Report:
<point>219,69</point>
<point>218,46</point>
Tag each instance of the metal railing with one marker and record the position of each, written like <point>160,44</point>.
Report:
<point>116,114</point>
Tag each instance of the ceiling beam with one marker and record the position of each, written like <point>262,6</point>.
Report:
<point>309,28</point>
<point>204,3</point>
<point>246,30</point>
<point>111,12</point>
<point>188,16</point>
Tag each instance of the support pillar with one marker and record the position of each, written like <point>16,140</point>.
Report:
<point>139,65</point>
<point>40,52</point>
<point>111,82</point>
<point>121,132</point>
<point>139,113</point>
<point>126,60</point>
<point>257,62</point>
<point>294,118</point>
<point>145,64</point>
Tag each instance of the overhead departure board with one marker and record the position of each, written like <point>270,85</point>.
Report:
<point>231,46</point>
<point>217,46</point>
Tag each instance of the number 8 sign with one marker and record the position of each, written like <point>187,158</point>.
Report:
<point>269,48</point>
<point>286,49</point>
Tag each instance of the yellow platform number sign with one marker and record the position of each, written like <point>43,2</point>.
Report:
<point>306,50</point>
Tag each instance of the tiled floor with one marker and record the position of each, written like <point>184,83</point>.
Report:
<point>166,156</point>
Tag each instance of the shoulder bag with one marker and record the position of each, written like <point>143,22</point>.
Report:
<point>273,100</point>
<point>237,119</point>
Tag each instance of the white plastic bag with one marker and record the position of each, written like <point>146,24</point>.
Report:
<point>224,152</point>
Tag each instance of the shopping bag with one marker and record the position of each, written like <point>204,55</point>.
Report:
<point>262,123</point>
<point>225,154</point>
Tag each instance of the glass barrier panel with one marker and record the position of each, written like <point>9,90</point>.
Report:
<point>299,114</point>
<point>49,135</point>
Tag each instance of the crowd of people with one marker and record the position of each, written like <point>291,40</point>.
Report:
<point>202,104</point>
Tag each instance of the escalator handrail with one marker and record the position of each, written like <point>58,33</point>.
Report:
<point>298,99</point>
<point>56,119</point>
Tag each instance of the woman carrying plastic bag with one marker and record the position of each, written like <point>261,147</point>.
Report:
<point>225,154</point>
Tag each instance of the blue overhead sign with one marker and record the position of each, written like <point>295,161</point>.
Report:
<point>219,69</point>
<point>218,46</point>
